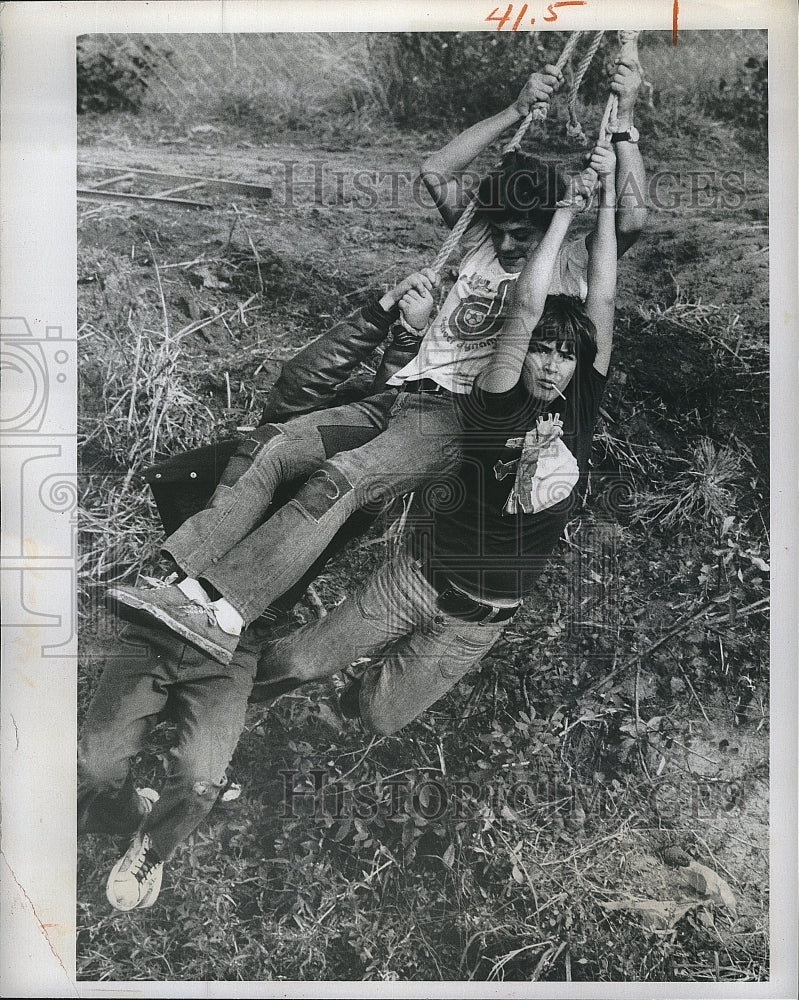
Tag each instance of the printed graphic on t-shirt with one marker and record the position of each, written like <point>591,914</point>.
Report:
<point>462,336</point>
<point>481,312</point>
<point>549,480</point>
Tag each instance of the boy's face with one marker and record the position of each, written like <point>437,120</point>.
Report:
<point>548,368</point>
<point>513,240</point>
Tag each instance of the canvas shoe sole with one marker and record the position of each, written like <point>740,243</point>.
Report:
<point>135,880</point>
<point>191,621</point>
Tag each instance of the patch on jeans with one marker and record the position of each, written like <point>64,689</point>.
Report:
<point>322,492</point>
<point>336,438</point>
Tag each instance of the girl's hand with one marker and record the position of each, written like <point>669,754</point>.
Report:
<point>600,169</point>
<point>602,160</point>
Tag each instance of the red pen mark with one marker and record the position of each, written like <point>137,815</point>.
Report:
<point>502,19</point>
<point>493,16</point>
<point>563,3</point>
<point>675,12</point>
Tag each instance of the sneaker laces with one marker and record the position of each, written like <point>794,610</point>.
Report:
<point>147,860</point>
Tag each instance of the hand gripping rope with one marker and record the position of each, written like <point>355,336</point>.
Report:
<point>628,50</point>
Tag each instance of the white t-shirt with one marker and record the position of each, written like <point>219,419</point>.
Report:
<point>461,338</point>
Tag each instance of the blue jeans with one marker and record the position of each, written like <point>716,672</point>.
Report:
<point>253,563</point>
<point>418,651</point>
<point>159,673</point>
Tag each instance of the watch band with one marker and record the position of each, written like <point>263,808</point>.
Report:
<point>629,135</point>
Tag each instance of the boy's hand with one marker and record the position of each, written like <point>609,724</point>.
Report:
<point>416,306</point>
<point>625,82</point>
<point>423,281</point>
<point>539,89</point>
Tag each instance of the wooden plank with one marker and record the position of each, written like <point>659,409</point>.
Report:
<point>113,180</point>
<point>181,187</point>
<point>256,190</point>
<point>89,194</point>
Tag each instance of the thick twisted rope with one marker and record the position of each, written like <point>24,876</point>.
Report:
<point>574,129</point>
<point>590,176</point>
<point>628,50</point>
<point>538,114</point>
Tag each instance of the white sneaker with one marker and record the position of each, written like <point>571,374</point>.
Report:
<point>135,879</point>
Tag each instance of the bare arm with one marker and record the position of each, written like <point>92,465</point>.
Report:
<point>630,172</point>
<point>442,171</point>
<point>631,210</point>
<point>530,295</point>
<point>600,302</point>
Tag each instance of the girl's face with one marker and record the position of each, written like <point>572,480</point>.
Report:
<point>548,369</point>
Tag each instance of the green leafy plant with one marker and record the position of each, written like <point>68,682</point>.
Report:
<point>744,100</point>
<point>113,78</point>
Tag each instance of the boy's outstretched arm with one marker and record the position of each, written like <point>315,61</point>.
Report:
<point>630,173</point>
<point>530,296</point>
<point>600,303</point>
<point>442,170</point>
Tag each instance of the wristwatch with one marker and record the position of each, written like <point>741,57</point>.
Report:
<point>631,135</point>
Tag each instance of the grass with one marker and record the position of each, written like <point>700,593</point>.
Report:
<point>702,493</point>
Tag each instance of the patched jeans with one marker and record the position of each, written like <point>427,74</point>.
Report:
<point>418,652</point>
<point>156,674</point>
<point>252,562</point>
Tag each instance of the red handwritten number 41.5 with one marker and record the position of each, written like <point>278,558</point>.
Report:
<point>502,19</point>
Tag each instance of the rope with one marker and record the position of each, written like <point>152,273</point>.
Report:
<point>591,176</point>
<point>574,129</point>
<point>627,39</point>
<point>538,114</point>
<point>609,123</point>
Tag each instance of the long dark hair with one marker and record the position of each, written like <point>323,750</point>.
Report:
<point>565,321</point>
<point>522,187</point>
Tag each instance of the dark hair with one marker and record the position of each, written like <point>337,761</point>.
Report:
<point>523,187</point>
<point>565,321</point>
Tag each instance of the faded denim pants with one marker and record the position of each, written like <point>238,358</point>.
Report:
<point>418,651</point>
<point>253,563</point>
<point>157,673</point>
